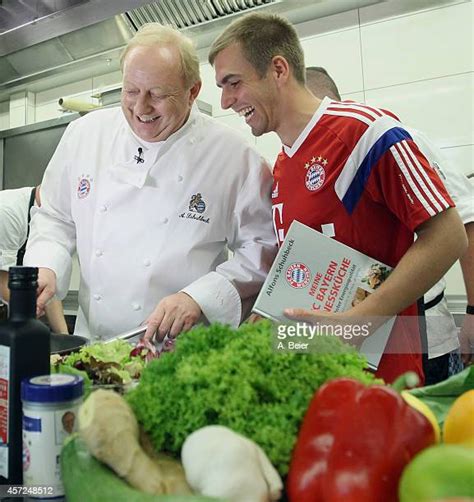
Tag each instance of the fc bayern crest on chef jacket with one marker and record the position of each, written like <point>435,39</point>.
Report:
<point>298,275</point>
<point>84,186</point>
<point>315,173</point>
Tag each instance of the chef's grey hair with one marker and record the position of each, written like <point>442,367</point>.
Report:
<point>151,34</point>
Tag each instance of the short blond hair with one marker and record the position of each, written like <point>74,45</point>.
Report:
<point>152,34</point>
<point>262,37</point>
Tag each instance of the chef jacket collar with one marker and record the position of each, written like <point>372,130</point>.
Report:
<point>146,145</point>
<point>128,169</point>
<point>186,130</point>
<point>183,130</point>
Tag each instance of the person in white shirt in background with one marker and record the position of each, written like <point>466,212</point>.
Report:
<point>445,348</point>
<point>15,207</point>
<point>153,195</point>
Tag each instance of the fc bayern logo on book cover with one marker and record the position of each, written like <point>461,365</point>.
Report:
<point>298,275</point>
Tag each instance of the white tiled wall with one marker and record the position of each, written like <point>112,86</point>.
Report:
<point>209,91</point>
<point>339,51</point>
<point>21,109</point>
<point>4,115</point>
<point>419,46</point>
<point>438,106</point>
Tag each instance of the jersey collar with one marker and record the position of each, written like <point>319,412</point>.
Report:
<point>291,150</point>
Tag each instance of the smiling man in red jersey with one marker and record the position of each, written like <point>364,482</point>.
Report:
<point>348,170</point>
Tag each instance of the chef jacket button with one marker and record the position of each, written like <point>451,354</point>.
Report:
<point>164,220</point>
<point>136,306</point>
<point>103,209</point>
<point>147,263</point>
<point>180,178</point>
<point>98,252</point>
<point>97,297</point>
<point>192,141</point>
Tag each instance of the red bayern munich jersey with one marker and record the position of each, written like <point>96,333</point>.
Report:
<point>355,174</point>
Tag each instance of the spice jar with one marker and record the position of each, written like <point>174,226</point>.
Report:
<point>50,406</point>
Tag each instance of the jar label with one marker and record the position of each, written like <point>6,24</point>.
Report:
<point>44,432</point>
<point>31,424</point>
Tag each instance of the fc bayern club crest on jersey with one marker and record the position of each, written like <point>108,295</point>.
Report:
<point>315,173</point>
<point>298,275</point>
<point>84,187</point>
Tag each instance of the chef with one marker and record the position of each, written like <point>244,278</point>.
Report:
<point>15,206</point>
<point>152,196</point>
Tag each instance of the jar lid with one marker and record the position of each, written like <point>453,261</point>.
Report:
<point>53,388</point>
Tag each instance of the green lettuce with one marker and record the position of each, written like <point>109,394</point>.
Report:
<point>218,375</point>
<point>117,352</point>
<point>102,363</point>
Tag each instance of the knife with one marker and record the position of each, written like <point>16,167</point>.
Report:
<point>126,335</point>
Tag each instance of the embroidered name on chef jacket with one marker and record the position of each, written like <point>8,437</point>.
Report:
<point>196,208</point>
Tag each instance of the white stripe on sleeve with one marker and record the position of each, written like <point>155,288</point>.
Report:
<point>357,106</point>
<point>434,191</point>
<point>354,115</point>
<point>407,174</point>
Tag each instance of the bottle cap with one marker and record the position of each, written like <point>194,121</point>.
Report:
<point>53,388</point>
<point>23,277</point>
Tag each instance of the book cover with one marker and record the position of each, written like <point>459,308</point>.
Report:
<point>315,272</point>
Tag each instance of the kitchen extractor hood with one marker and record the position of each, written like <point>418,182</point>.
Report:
<point>48,43</point>
<point>189,13</point>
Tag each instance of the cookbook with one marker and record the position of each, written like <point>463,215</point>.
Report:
<point>318,273</point>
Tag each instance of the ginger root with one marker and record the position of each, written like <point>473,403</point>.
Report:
<point>111,432</point>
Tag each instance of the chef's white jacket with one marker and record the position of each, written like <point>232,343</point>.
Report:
<point>442,332</point>
<point>14,207</point>
<point>150,223</point>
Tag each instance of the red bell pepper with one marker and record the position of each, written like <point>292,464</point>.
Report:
<point>354,443</point>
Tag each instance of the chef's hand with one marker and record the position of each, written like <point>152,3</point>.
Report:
<point>174,314</point>
<point>466,340</point>
<point>46,289</point>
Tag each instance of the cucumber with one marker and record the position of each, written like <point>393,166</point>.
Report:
<point>85,478</point>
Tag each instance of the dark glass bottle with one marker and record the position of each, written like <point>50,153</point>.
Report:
<point>24,353</point>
